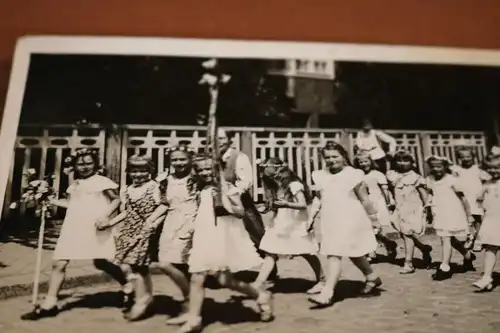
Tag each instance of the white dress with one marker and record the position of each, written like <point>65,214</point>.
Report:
<point>287,234</point>
<point>79,239</point>
<point>222,246</point>
<point>346,229</point>
<point>489,232</point>
<point>449,216</point>
<point>472,182</point>
<point>374,180</point>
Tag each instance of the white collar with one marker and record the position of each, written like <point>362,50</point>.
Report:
<point>227,154</point>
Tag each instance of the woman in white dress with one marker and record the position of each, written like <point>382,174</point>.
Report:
<point>221,246</point>
<point>347,220</point>
<point>287,235</point>
<point>92,198</point>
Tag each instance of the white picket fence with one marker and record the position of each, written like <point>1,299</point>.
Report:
<point>44,148</point>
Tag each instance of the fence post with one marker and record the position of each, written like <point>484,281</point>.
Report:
<point>425,142</point>
<point>345,140</point>
<point>114,141</point>
<point>246,144</point>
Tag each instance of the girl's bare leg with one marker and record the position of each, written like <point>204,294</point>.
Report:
<point>409,254</point>
<point>490,258</point>
<point>372,279</point>
<point>56,280</point>
<point>445,263</point>
<point>192,318</point>
<point>265,271</point>
<point>143,298</point>
<point>325,297</point>
<point>263,298</point>
<point>177,276</point>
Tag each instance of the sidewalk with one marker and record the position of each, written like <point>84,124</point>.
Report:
<point>18,262</point>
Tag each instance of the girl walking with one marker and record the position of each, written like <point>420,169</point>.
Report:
<point>179,193</point>
<point>409,217</point>
<point>287,235</point>
<point>140,215</point>
<point>489,233</point>
<point>378,190</point>
<point>221,246</point>
<point>451,214</point>
<point>347,220</point>
<point>79,239</point>
<point>472,178</point>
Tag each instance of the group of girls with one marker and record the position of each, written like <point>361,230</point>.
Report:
<point>345,219</point>
<point>460,201</point>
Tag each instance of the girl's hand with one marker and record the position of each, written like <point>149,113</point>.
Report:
<point>102,225</point>
<point>280,203</point>
<point>471,219</point>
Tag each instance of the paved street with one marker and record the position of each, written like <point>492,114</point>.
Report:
<point>407,304</point>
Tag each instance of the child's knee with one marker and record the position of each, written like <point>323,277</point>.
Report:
<point>224,278</point>
<point>60,266</point>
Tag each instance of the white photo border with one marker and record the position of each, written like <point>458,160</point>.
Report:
<point>208,48</point>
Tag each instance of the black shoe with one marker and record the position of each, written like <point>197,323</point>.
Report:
<point>468,265</point>
<point>128,299</point>
<point>426,256</point>
<point>39,313</point>
<point>441,275</point>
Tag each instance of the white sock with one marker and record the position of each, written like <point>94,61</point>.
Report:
<point>49,302</point>
<point>444,268</point>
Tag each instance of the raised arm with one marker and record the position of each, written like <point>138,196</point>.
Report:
<point>244,173</point>
<point>387,139</point>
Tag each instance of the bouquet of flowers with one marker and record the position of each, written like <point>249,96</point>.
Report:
<point>37,194</point>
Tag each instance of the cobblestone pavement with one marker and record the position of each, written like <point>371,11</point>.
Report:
<point>406,304</point>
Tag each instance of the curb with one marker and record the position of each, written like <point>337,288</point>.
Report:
<point>26,289</point>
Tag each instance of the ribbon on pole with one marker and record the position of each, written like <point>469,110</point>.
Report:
<point>214,79</point>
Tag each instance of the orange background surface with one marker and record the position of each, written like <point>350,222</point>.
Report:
<point>457,23</point>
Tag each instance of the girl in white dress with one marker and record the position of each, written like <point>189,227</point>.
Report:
<point>472,178</point>
<point>91,199</point>
<point>221,246</point>
<point>450,214</point>
<point>489,233</point>
<point>287,235</point>
<point>378,189</point>
<point>347,220</point>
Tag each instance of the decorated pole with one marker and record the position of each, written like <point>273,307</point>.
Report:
<point>38,268</point>
<point>214,79</point>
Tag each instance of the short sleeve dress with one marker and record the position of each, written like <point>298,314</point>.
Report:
<point>178,227</point>
<point>449,215</point>
<point>133,243</point>
<point>408,217</point>
<point>375,180</point>
<point>79,239</point>
<point>472,182</point>
<point>346,229</point>
<point>287,234</point>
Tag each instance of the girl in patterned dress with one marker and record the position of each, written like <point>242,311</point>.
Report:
<point>140,216</point>
<point>378,189</point>
<point>178,193</point>
<point>450,214</point>
<point>409,217</point>
<point>91,199</point>
<point>489,233</point>
<point>472,179</point>
<point>287,235</point>
<point>346,221</point>
<point>221,246</point>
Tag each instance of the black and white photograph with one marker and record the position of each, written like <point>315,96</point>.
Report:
<point>208,185</point>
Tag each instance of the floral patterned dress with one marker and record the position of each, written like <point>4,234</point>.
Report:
<point>408,217</point>
<point>133,242</point>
